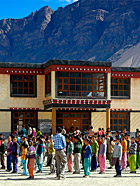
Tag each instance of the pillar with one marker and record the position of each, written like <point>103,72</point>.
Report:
<point>107,118</point>
<point>53,84</point>
<point>53,120</point>
<point>108,86</point>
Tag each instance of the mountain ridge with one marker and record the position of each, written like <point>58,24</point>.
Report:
<point>86,30</point>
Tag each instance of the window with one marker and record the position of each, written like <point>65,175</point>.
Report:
<point>23,118</point>
<point>81,84</point>
<point>119,121</point>
<point>23,86</point>
<point>48,84</point>
<point>120,87</point>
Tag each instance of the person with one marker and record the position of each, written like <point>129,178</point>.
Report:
<point>99,142</point>
<point>132,155</point>
<point>64,131</point>
<point>77,131</point>
<point>34,132</point>
<point>103,131</point>
<point>137,133</point>
<point>108,132</point>
<point>31,152</point>
<point>87,158</point>
<point>2,151</point>
<point>48,142</point>
<point>51,153</point>
<point>23,158</point>
<point>138,153</point>
<point>70,149</point>
<point>82,152</point>
<point>38,133</point>
<point>95,148</point>
<point>117,156</point>
<point>127,136</point>
<point>91,131</point>
<point>15,153</point>
<point>40,155</point>
<point>77,154</point>
<point>124,152</point>
<point>61,159</point>
<point>23,131</point>
<point>9,153</point>
<point>35,146</point>
<point>99,132</point>
<point>29,130</point>
<point>117,134</point>
<point>110,148</point>
<point>102,156</point>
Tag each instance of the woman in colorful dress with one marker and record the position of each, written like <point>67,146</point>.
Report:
<point>40,155</point>
<point>69,153</point>
<point>31,152</point>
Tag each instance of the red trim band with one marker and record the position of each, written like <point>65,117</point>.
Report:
<point>16,108</point>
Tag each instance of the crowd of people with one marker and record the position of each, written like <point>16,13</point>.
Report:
<point>71,149</point>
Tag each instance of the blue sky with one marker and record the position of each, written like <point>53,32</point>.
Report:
<point>22,8</point>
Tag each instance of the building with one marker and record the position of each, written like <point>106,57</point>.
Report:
<point>69,93</point>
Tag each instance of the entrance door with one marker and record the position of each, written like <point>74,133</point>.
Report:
<point>73,119</point>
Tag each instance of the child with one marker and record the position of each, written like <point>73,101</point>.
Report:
<point>132,155</point>
<point>40,155</point>
<point>69,153</point>
<point>116,157</point>
<point>138,153</point>
<point>124,152</point>
<point>15,153</point>
<point>82,152</point>
<point>2,151</point>
<point>34,132</point>
<point>31,152</point>
<point>102,156</point>
<point>35,146</point>
<point>51,152</point>
<point>87,158</point>
<point>23,158</point>
<point>77,155</point>
<point>95,148</point>
<point>9,153</point>
<point>110,148</point>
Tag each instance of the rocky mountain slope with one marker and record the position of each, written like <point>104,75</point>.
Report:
<point>105,30</point>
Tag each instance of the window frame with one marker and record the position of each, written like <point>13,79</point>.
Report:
<point>118,118</point>
<point>46,85</point>
<point>81,92</point>
<point>23,118</point>
<point>23,95</point>
<point>129,88</point>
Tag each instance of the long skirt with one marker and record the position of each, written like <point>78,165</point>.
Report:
<point>24,167</point>
<point>31,167</point>
<point>70,164</point>
<point>87,165</point>
<point>77,158</point>
<point>124,160</point>
<point>102,162</point>
<point>40,161</point>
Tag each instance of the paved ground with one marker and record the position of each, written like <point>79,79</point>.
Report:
<point>127,179</point>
